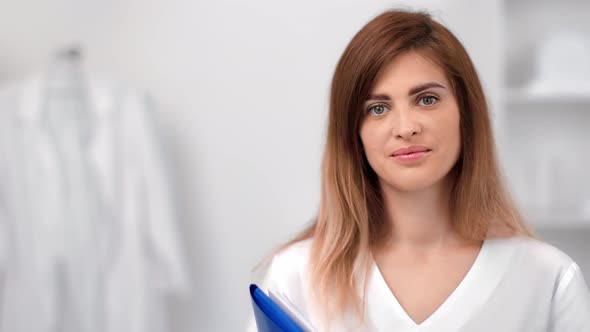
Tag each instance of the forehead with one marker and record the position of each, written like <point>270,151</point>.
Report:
<point>406,71</point>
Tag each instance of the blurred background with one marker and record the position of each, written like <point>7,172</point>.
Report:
<point>151,152</point>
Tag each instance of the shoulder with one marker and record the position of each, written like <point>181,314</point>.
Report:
<point>287,273</point>
<point>549,280</point>
<point>536,256</point>
<point>288,265</point>
<point>292,261</point>
<point>535,251</point>
<point>296,252</point>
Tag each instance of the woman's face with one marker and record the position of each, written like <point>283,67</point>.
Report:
<point>411,105</point>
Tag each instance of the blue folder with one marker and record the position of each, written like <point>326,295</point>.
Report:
<point>269,316</point>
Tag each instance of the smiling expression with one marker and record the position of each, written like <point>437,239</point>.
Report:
<point>411,124</point>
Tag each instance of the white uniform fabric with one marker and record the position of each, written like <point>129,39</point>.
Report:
<point>88,238</point>
<point>515,284</point>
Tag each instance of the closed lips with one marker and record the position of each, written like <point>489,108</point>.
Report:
<point>410,150</point>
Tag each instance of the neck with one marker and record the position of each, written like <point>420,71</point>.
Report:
<point>419,219</point>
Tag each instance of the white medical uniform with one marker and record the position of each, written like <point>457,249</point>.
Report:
<point>515,284</point>
<point>88,238</point>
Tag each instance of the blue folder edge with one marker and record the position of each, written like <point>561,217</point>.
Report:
<point>269,316</point>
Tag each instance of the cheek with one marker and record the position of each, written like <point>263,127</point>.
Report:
<point>454,134</point>
<point>373,143</point>
<point>450,137</point>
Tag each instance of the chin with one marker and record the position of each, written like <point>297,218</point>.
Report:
<point>410,185</point>
<point>413,180</point>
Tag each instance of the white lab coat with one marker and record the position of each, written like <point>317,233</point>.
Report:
<point>88,238</point>
<point>516,284</point>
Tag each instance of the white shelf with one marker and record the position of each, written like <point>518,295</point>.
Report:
<point>574,227</point>
<point>562,222</point>
<point>523,97</point>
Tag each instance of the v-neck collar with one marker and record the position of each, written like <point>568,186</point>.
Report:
<point>485,273</point>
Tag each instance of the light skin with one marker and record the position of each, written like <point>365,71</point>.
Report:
<point>412,104</point>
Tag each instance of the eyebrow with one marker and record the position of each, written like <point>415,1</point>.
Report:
<point>415,90</point>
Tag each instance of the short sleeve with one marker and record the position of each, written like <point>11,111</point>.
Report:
<point>571,304</point>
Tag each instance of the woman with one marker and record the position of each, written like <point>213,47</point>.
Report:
<point>415,230</point>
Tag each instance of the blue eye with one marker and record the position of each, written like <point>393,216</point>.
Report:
<point>377,109</point>
<point>428,100</point>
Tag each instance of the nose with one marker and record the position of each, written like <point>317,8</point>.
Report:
<point>406,125</point>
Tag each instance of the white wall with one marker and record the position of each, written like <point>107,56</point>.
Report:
<point>242,88</point>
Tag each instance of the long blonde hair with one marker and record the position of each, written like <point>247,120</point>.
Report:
<point>350,221</point>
